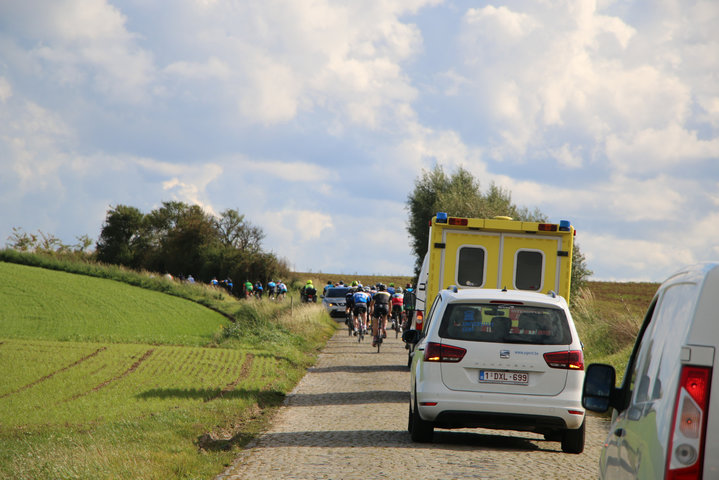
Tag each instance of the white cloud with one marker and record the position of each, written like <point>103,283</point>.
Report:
<point>651,150</point>
<point>5,90</point>
<point>633,259</point>
<point>81,42</point>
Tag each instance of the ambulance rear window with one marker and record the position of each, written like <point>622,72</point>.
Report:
<point>528,270</point>
<point>470,266</point>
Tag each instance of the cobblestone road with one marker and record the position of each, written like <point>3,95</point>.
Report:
<point>347,419</point>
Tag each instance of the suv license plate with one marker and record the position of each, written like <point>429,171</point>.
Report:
<point>498,376</point>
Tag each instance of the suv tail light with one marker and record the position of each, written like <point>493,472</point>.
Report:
<point>685,456</point>
<point>439,352</point>
<point>568,359</point>
<point>420,320</point>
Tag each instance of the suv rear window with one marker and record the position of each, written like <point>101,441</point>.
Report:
<point>505,324</point>
<point>336,292</point>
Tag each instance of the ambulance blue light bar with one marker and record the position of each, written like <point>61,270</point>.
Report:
<point>441,217</point>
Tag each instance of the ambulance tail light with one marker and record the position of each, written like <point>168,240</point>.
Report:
<point>458,221</point>
<point>547,227</point>
<point>685,455</point>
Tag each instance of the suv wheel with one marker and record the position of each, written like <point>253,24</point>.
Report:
<point>420,430</point>
<point>573,440</point>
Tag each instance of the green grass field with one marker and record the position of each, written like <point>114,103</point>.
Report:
<point>101,379</point>
<point>52,305</point>
<point>608,316</point>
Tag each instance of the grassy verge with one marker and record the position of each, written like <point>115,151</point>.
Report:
<point>608,316</point>
<point>105,380</point>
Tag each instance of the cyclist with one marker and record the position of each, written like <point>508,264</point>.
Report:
<point>397,301</point>
<point>380,309</point>
<point>258,289</point>
<point>349,305</point>
<point>281,290</point>
<point>361,304</point>
<point>271,289</point>
<point>390,289</point>
<point>327,287</point>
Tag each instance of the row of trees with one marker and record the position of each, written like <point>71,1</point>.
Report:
<point>460,195</point>
<point>183,239</point>
<point>176,238</point>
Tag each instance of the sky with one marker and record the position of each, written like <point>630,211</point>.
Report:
<point>315,118</point>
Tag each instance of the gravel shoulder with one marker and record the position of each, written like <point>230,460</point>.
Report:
<point>347,418</point>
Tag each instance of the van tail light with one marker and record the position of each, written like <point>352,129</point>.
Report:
<point>685,455</point>
<point>420,320</point>
<point>439,352</point>
<point>567,359</point>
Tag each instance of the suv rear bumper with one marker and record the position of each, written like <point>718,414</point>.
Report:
<point>500,421</point>
<point>511,412</point>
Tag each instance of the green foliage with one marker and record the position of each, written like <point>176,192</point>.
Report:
<point>47,244</point>
<point>182,239</point>
<point>580,272</point>
<point>120,236</point>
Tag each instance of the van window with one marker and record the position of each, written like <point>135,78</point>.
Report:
<point>656,367</point>
<point>528,267</point>
<point>470,266</point>
<point>505,324</point>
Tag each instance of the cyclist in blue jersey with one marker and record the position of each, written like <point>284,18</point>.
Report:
<point>361,301</point>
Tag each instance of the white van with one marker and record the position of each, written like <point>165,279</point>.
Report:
<point>665,422</point>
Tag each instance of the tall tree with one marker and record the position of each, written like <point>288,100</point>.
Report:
<point>119,236</point>
<point>238,233</point>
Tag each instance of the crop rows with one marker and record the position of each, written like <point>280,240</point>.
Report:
<point>79,383</point>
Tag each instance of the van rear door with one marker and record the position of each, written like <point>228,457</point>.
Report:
<point>501,260</point>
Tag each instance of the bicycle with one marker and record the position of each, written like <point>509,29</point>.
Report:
<point>396,321</point>
<point>349,323</point>
<point>379,337</point>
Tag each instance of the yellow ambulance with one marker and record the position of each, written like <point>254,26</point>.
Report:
<point>495,253</point>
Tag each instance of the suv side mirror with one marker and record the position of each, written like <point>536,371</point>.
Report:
<point>599,381</point>
<point>411,336</point>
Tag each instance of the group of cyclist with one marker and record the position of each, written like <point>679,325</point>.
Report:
<point>275,290</point>
<point>379,302</point>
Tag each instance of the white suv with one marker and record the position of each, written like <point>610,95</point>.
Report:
<point>665,421</point>
<point>501,359</point>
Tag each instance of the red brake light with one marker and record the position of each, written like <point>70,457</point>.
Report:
<point>458,221</point>
<point>568,359</point>
<point>685,455</point>
<point>547,227</point>
<point>439,352</point>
